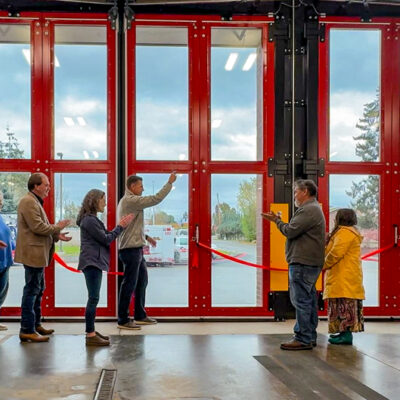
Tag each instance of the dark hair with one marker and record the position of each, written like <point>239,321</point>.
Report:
<point>346,217</point>
<point>90,204</point>
<point>35,180</point>
<point>132,179</point>
<point>343,217</point>
<point>308,184</point>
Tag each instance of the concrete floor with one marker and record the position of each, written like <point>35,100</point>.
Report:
<point>202,361</point>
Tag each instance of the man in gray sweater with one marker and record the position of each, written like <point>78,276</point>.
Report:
<point>130,246</point>
<point>305,253</point>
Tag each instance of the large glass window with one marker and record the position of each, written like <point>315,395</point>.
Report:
<point>13,186</point>
<point>15,92</point>
<point>360,192</point>
<point>354,109</point>
<point>236,230</point>
<point>70,189</point>
<point>168,262</point>
<point>162,93</point>
<point>236,94</point>
<point>80,92</point>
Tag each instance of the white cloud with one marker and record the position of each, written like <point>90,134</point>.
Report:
<point>346,109</point>
<point>72,106</point>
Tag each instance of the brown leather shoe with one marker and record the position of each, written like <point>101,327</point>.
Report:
<point>104,337</point>
<point>43,331</point>
<point>33,337</point>
<point>96,341</point>
<point>295,345</point>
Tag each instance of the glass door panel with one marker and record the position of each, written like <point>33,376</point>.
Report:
<point>168,262</point>
<point>361,193</point>
<point>236,94</point>
<point>162,110</point>
<point>13,186</point>
<point>15,94</point>
<point>236,230</point>
<point>80,87</point>
<point>355,95</point>
<point>70,189</point>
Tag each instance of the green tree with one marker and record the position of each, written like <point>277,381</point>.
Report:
<point>71,211</point>
<point>227,222</point>
<point>247,201</point>
<point>365,194</point>
<point>13,185</point>
<point>162,218</point>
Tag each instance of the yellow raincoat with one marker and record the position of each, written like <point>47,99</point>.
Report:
<point>343,273</point>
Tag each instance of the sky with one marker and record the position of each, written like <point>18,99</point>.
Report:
<point>162,116</point>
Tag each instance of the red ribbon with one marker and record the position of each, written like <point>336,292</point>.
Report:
<point>372,253</point>
<point>240,261</point>
<point>66,266</point>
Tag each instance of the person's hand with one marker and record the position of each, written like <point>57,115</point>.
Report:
<point>63,237</point>
<point>271,216</point>
<point>172,177</point>
<point>63,223</point>
<point>126,220</point>
<point>3,245</point>
<point>152,241</point>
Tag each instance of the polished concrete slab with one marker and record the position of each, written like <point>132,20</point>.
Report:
<point>218,367</point>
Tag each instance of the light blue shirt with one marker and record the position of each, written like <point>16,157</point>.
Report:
<point>6,259</point>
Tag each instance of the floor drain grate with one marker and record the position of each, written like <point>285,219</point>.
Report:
<point>105,387</point>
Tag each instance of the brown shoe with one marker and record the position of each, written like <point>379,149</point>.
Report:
<point>33,337</point>
<point>295,345</point>
<point>104,337</point>
<point>96,341</point>
<point>43,331</point>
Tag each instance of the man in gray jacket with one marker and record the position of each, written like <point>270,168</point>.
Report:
<point>130,246</point>
<point>305,253</point>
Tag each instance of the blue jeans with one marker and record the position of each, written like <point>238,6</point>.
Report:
<point>303,295</point>
<point>31,312</point>
<point>3,284</point>
<point>134,281</point>
<point>93,276</point>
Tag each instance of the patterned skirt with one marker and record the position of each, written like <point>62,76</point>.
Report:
<point>345,314</point>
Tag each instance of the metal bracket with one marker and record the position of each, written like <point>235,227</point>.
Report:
<point>314,166</point>
<point>278,30</point>
<point>129,15</point>
<point>313,29</point>
<point>278,167</point>
<point>113,17</point>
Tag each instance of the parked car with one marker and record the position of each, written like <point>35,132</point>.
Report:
<point>181,252</point>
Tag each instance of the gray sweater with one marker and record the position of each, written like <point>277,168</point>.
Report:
<point>133,234</point>
<point>305,234</point>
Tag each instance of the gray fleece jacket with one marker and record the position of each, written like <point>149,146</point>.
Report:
<point>305,235</point>
<point>133,235</point>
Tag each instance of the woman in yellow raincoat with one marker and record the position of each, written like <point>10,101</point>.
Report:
<point>343,283</point>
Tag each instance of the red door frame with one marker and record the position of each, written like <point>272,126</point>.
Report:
<point>42,159</point>
<point>386,168</point>
<point>199,29</point>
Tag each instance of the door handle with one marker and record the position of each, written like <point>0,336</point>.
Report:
<point>396,235</point>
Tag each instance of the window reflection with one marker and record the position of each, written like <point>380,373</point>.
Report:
<point>361,193</point>
<point>161,93</point>
<point>168,224</point>
<point>70,189</point>
<point>236,94</point>
<point>354,110</point>
<point>15,94</point>
<point>80,99</point>
<point>236,230</point>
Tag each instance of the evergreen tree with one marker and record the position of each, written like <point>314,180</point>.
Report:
<point>13,185</point>
<point>227,222</point>
<point>365,193</point>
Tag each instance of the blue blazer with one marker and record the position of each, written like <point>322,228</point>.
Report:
<point>95,243</point>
